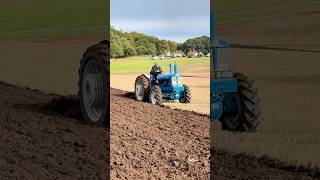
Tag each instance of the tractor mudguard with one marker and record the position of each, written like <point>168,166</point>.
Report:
<point>146,75</point>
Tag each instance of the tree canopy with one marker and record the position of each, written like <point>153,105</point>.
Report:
<point>124,44</point>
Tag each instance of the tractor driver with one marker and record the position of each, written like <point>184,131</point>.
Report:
<point>155,71</point>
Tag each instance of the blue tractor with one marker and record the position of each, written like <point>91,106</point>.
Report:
<point>234,100</point>
<point>162,87</point>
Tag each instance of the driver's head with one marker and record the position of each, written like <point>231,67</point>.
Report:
<point>155,64</point>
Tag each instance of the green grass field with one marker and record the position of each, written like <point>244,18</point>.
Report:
<point>139,65</point>
<point>231,10</point>
<point>31,18</point>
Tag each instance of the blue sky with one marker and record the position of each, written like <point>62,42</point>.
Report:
<point>176,20</point>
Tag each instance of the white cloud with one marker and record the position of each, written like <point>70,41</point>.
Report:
<point>167,19</point>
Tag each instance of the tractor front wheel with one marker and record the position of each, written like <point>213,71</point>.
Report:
<point>186,95</point>
<point>156,96</point>
<point>242,109</point>
<point>142,88</point>
<point>94,84</point>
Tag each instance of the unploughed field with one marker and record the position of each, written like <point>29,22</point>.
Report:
<point>227,11</point>
<point>37,18</point>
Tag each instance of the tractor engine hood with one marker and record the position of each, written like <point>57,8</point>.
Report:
<point>166,76</point>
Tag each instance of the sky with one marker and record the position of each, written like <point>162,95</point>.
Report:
<point>176,20</point>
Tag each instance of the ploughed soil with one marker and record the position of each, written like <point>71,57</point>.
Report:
<point>242,166</point>
<point>43,136</point>
<point>149,141</point>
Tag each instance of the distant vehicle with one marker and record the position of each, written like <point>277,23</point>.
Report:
<point>200,55</point>
<point>162,56</point>
<point>155,57</point>
<point>177,55</point>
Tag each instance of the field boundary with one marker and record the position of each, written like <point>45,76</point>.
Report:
<point>242,46</point>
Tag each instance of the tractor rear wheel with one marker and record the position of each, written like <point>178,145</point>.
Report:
<point>156,96</point>
<point>245,105</point>
<point>142,88</point>
<point>186,95</point>
<point>94,84</point>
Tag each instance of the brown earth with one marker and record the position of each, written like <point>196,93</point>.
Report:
<point>241,166</point>
<point>42,136</point>
<point>42,139</point>
<point>154,142</point>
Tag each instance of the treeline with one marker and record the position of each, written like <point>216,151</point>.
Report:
<point>124,44</point>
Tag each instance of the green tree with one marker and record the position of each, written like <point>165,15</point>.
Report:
<point>116,46</point>
<point>163,47</point>
<point>125,44</point>
<point>173,46</point>
<point>128,49</point>
<point>201,44</point>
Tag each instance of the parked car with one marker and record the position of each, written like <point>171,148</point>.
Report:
<point>162,56</point>
<point>155,57</point>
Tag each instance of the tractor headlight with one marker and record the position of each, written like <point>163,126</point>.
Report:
<point>174,81</point>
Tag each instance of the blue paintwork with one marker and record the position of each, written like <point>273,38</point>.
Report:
<point>169,90</point>
<point>219,85</point>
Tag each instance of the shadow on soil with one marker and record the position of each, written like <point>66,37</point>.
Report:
<point>64,106</point>
<point>222,158</point>
<point>129,95</point>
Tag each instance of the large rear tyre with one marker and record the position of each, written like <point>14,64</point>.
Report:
<point>186,95</point>
<point>246,103</point>
<point>156,96</point>
<point>94,84</point>
<point>142,88</point>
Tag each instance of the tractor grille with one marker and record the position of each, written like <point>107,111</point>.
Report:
<point>176,81</point>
